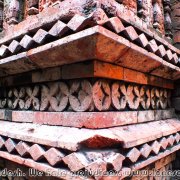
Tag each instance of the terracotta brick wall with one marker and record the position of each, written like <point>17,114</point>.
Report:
<point>176,22</point>
<point>165,164</point>
<point>176,33</point>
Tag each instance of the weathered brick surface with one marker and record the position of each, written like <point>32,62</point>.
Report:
<point>176,22</point>
<point>46,75</point>
<point>116,161</point>
<point>145,150</point>
<point>36,152</point>
<point>100,69</point>
<point>88,69</point>
<point>22,148</point>
<point>155,147</point>
<point>164,114</point>
<point>22,117</point>
<point>163,162</point>
<point>91,160</point>
<point>75,161</point>
<point>164,143</point>
<point>43,167</point>
<point>90,119</point>
<point>123,46</point>
<point>119,40</point>
<point>133,155</point>
<point>144,116</point>
<point>64,174</point>
<point>94,167</point>
<point>11,63</point>
<point>54,156</point>
<point>153,159</point>
<point>5,114</point>
<point>131,135</point>
<point>10,145</point>
<point>134,76</point>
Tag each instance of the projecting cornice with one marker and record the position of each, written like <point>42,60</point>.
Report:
<point>79,35</point>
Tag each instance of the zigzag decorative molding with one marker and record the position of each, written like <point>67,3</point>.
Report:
<point>88,160</point>
<point>78,23</point>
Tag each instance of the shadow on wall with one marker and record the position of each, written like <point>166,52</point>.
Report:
<point>176,98</point>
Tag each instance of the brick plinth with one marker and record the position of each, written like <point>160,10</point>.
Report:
<point>90,120</point>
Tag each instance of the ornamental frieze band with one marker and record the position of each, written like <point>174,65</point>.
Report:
<point>86,95</point>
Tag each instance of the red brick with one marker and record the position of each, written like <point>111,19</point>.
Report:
<point>71,51</point>
<point>61,173</point>
<point>78,70</point>
<point>58,29</point>
<point>50,74</point>
<point>171,127</point>
<point>77,119</point>
<point>145,150</point>
<point>164,143</point>
<point>166,70</point>
<point>164,161</point>
<point>164,114</point>
<point>115,42</point>
<point>104,54</point>
<point>127,136</point>
<point>133,155</point>
<point>134,76</point>
<point>10,145</point>
<point>131,4</point>
<point>152,46</point>
<point>155,147</point>
<point>97,166</point>
<point>108,70</point>
<point>40,36</point>
<point>77,22</point>
<point>171,140</point>
<point>37,152</point>
<point>142,40</point>
<point>169,84</point>
<point>14,46</point>
<point>177,37</point>
<point>155,81</point>
<point>116,161</point>
<point>22,148</point>
<point>22,116</point>
<point>142,59</point>
<point>26,42</point>
<point>177,137</point>
<point>134,135</point>
<point>75,161</point>
<point>145,116</point>
<point>115,24</point>
<point>130,33</point>
<point>10,64</point>
<point>53,156</point>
